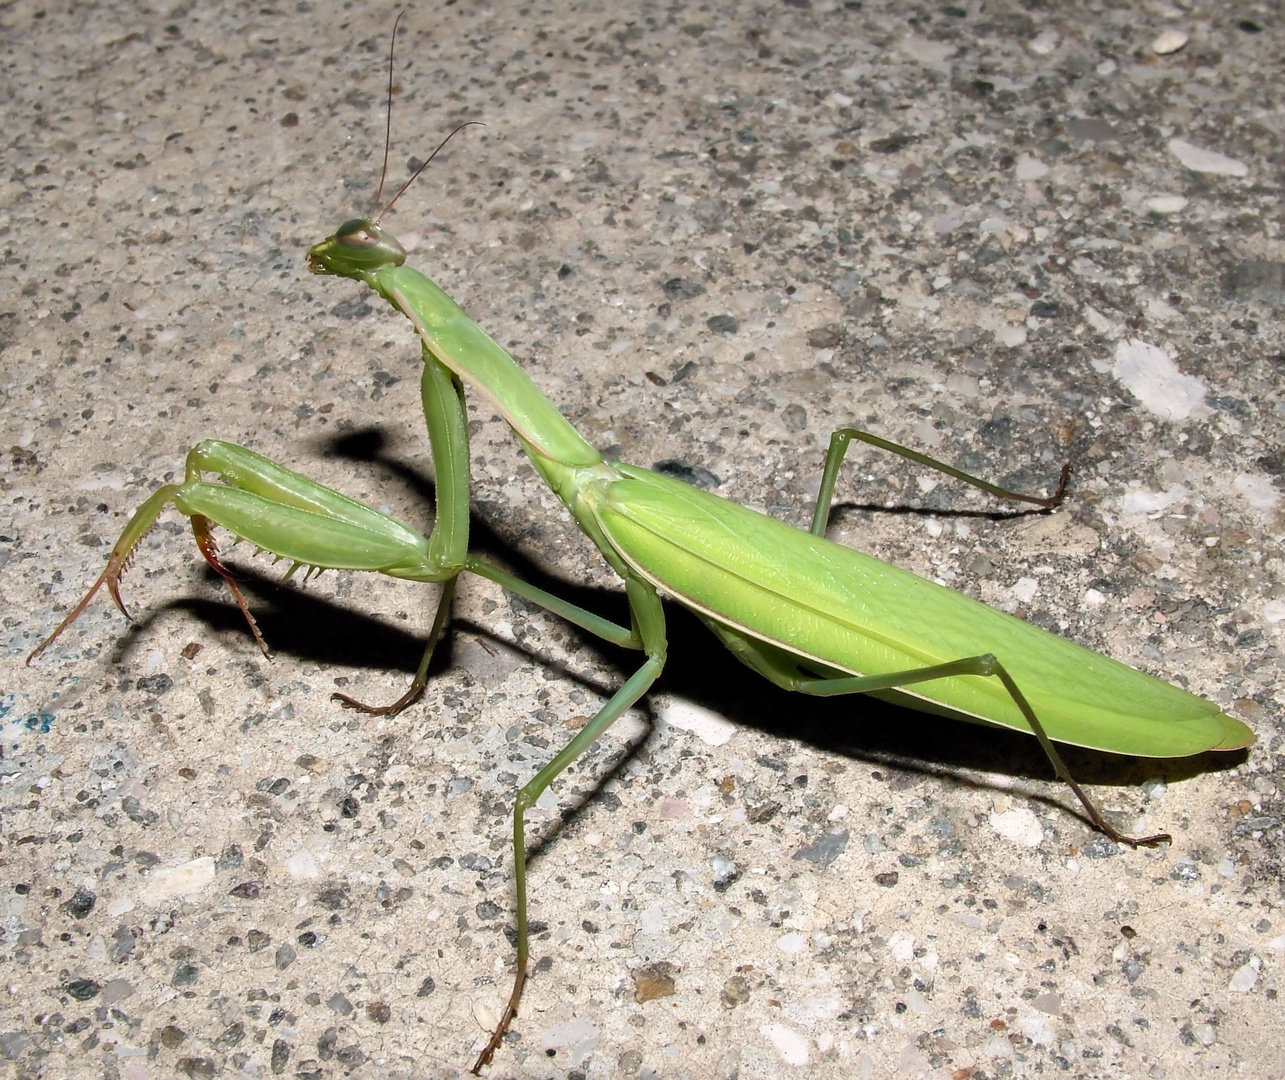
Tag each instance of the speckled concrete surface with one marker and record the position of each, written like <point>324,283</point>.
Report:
<point>1012,234</point>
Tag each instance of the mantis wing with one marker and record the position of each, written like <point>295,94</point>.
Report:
<point>836,608</point>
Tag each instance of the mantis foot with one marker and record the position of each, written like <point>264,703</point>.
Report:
<point>1059,496</point>
<point>1100,822</point>
<point>420,680</point>
<point>391,709</point>
<point>510,1014</point>
<point>1135,841</point>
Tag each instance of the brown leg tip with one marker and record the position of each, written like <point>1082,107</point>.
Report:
<point>1148,841</point>
<point>391,709</point>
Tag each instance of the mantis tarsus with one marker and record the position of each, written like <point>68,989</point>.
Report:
<point>807,614</point>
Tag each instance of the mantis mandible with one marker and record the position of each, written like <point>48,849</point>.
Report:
<point>808,614</point>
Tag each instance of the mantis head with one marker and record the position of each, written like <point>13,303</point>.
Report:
<point>358,247</point>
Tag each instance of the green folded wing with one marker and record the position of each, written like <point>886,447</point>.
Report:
<point>842,609</point>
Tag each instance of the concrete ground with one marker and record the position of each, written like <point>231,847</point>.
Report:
<point>1010,234</point>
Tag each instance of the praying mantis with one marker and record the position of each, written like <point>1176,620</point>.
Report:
<point>806,613</point>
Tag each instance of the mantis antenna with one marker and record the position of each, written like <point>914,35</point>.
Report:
<point>415,175</point>
<point>375,212</point>
<point>388,119</point>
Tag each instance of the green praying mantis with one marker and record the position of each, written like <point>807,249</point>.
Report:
<point>806,613</point>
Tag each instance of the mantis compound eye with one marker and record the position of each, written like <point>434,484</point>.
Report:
<point>356,234</point>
